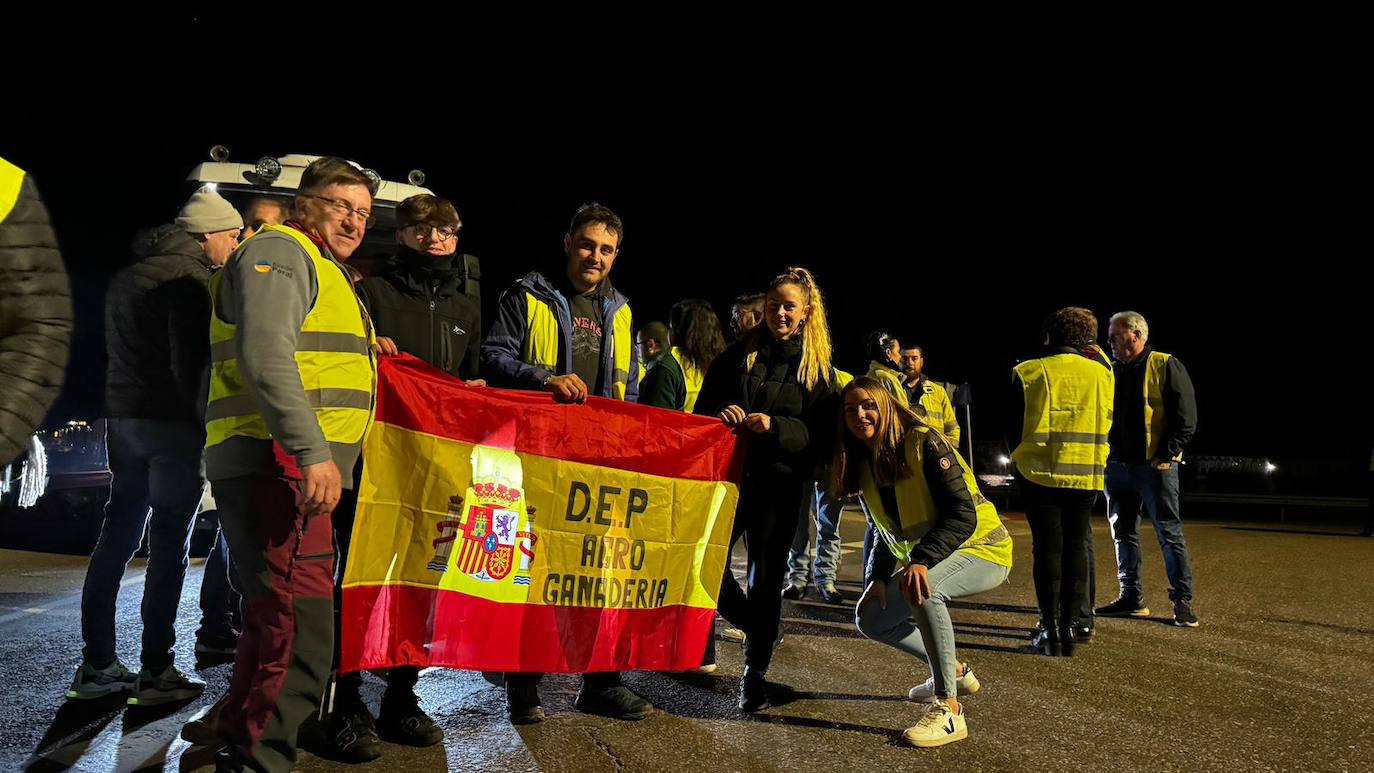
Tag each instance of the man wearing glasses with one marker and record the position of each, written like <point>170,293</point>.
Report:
<point>292,378</point>
<point>419,298</point>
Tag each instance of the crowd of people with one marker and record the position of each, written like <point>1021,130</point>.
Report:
<point>271,406</point>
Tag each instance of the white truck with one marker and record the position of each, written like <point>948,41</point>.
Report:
<point>278,178</point>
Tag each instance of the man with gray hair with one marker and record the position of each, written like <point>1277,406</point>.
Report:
<point>280,449</point>
<point>156,316</point>
<point>1156,415</point>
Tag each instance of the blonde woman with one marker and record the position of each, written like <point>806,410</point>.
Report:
<point>776,385</point>
<point>940,540</point>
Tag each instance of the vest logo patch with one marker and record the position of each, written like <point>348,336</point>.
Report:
<point>945,463</point>
<point>267,267</point>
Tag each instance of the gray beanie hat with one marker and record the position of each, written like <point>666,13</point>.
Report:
<point>208,212</point>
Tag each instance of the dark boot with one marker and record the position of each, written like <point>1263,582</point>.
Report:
<point>1046,640</point>
<point>753,691</point>
<point>1068,638</point>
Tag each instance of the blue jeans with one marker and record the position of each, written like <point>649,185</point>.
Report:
<point>1131,489</point>
<point>158,482</point>
<point>221,615</point>
<point>932,636</point>
<point>827,542</point>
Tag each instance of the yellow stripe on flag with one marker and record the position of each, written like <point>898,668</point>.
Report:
<point>445,514</point>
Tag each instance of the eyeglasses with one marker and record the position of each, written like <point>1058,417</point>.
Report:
<point>426,231</point>
<point>343,210</point>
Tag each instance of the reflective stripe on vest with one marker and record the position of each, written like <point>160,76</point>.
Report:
<point>333,356</point>
<point>934,406</point>
<point>691,376</point>
<point>939,409</point>
<point>1064,430</point>
<point>540,347</point>
<point>1156,372</point>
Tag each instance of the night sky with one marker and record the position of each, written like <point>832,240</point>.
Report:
<point>956,225</point>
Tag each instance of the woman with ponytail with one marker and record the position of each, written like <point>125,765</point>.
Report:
<point>775,385</point>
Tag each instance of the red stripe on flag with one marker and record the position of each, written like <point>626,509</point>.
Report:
<point>625,436</point>
<point>389,625</point>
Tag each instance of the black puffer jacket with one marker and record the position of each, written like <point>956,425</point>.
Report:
<point>419,303</point>
<point>803,420</point>
<point>157,330</point>
<point>35,317</point>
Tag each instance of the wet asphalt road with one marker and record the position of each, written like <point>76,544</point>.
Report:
<point>1278,677</point>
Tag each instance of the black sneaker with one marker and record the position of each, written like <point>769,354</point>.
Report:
<point>1183,614</point>
<point>402,721</point>
<point>753,692</point>
<point>215,651</point>
<point>1124,607</point>
<point>351,736</point>
<point>221,645</point>
<point>794,592</point>
<point>522,703</point>
<point>617,702</point>
<point>831,596</point>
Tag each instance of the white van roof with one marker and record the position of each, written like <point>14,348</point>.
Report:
<point>292,166</point>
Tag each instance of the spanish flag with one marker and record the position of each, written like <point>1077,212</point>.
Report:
<point>499,531</point>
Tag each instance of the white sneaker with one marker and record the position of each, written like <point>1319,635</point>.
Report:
<point>938,727</point>
<point>729,633</point>
<point>965,684</point>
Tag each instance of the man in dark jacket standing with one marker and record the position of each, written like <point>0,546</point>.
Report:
<point>419,298</point>
<point>36,326</point>
<point>1156,416</point>
<point>156,317</point>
